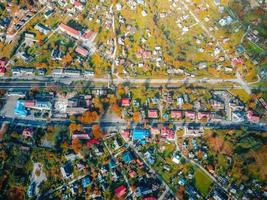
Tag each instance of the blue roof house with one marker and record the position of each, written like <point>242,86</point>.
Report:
<point>86,182</point>
<point>127,157</point>
<point>140,134</point>
<point>20,109</point>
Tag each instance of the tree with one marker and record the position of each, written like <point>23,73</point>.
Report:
<point>74,127</point>
<point>96,131</point>
<point>116,109</point>
<point>136,116</point>
<point>88,117</point>
<point>76,145</point>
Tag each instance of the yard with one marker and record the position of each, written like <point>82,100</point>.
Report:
<point>203,182</point>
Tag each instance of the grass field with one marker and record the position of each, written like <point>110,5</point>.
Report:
<point>203,182</point>
<point>241,94</point>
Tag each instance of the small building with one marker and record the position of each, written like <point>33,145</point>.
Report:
<point>42,28</point>
<point>203,115</point>
<point>70,31</point>
<point>67,170</point>
<point>89,73</point>
<point>176,114</point>
<point>127,157</point>
<point>125,102</point>
<point>86,182</point>
<point>190,115</point>
<point>253,117</point>
<point>57,72</point>
<point>20,109</point>
<point>82,51</point>
<point>140,134</point>
<point>120,191</point>
<point>152,114</point>
<point>72,72</point>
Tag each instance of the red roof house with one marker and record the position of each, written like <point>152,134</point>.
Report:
<point>175,114</point>
<point>202,115</point>
<point>126,134</point>
<point>190,114</point>
<point>92,142</point>
<point>69,30</point>
<point>89,36</point>
<point>2,66</point>
<point>153,114</point>
<point>82,51</point>
<point>253,117</point>
<point>120,191</point>
<point>167,133</point>
<point>29,103</point>
<point>125,101</point>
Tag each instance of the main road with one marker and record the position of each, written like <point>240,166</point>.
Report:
<point>109,124</point>
<point>46,81</point>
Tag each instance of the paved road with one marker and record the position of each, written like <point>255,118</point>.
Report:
<point>41,81</point>
<point>106,124</point>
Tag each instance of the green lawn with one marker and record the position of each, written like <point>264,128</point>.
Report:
<point>203,182</point>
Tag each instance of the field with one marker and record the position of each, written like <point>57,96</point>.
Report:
<point>203,182</point>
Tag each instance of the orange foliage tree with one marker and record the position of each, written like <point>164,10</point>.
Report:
<point>97,132</point>
<point>75,127</point>
<point>116,109</point>
<point>88,117</point>
<point>76,146</point>
<point>136,116</point>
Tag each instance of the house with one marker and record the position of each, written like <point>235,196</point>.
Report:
<point>48,13</point>
<point>155,131</point>
<point>42,28</point>
<point>176,114</point>
<point>127,157</point>
<point>81,136</point>
<point>152,114</point>
<point>82,51</point>
<point>126,134</point>
<point>67,170</point>
<point>89,36</point>
<point>140,134</point>
<point>3,63</point>
<point>78,5</point>
<point>70,31</point>
<point>57,72</point>
<point>125,102</point>
<point>41,72</point>
<point>190,115</point>
<point>253,117</point>
<point>236,104</point>
<point>88,73</point>
<point>167,133</point>
<point>216,103</point>
<point>20,109</point>
<point>92,142</point>
<point>202,65</point>
<point>176,158</point>
<point>240,49</point>
<point>56,54</point>
<point>120,191</point>
<point>27,133</point>
<point>72,72</point>
<point>86,182</point>
<point>238,116</point>
<point>202,115</point>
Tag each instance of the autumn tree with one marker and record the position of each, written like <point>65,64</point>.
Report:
<point>88,117</point>
<point>97,131</point>
<point>75,127</point>
<point>136,116</point>
<point>116,109</point>
<point>76,145</point>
